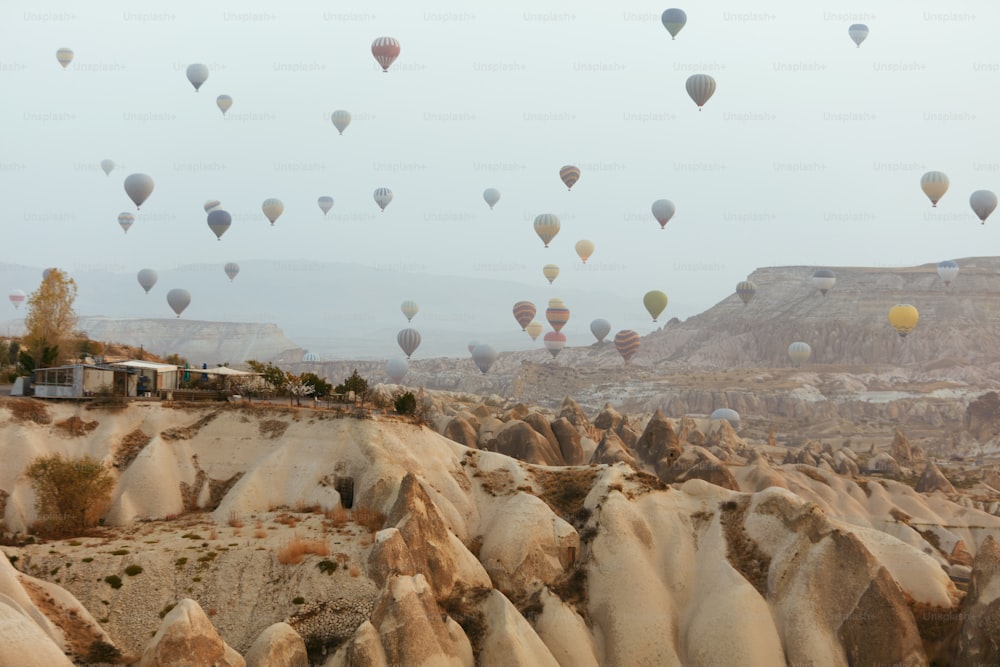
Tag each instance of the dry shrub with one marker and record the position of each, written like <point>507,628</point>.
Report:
<point>355,571</point>
<point>70,495</point>
<point>370,518</point>
<point>74,426</point>
<point>338,516</point>
<point>129,448</point>
<point>260,533</point>
<point>286,519</point>
<point>294,551</point>
<point>234,519</point>
<point>29,410</point>
<point>272,428</point>
<point>302,508</point>
<point>214,535</point>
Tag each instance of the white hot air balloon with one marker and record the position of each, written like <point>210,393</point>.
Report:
<point>325,204</point>
<point>197,74</point>
<point>273,208</point>
<point>224,102</point>
<point>178,300</point>
<point>138,187</point>
<point>126,220</point>
<point>397,368</point>
<point>382,197</point>
<point>983,202</point>
<point>212,204</point>
<point>484,356</point>
<point>947,271</point>
<point>147,278</point>
<point>799,352</point>
<point>600,328</point>
<point>492,196</point>
<point>409,309</point>
<point>700,87</point>
<point>858,33</point>
<point>17,297</point>
<point>341,119</point>
<point>107,166</point>
<point>232,270</point>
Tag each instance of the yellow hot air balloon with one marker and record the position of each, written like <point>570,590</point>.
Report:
<point>551,271</point>
<point>934,184</point>
<point>903,317</point>
<point>655,301</point>
<point>534,329</point>
<point>584,249</point>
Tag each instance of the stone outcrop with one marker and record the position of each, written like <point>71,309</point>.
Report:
<point>933,479</point>
<point>696,463</point>
<point>519,440</point>
<point>977,642</point>
<point>982,417</point>
<point>901,450</point>
<point>658,444</point>
<point>611,450</point>
<point>462,432</point>
<point>187,638</point>
<point>278,646</point>
<point>544,429</point>
<point>569,442</point>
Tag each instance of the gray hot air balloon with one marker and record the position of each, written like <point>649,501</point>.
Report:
<point>858,33</point>
<point>600,328</point>
<point>223,102</point>
<point>340,119</point>
<point>325,204</point>
<point>197,74</point>
<point>409,341</point>
<point>219,221</point>
<point>824,280</point>
<point>674,20</point>
<point>232,269</point>
<point>178,300</point>
<point>663,210</point>
<point>107,166</point>
<point>983,202</point>
<point>492,196</point>
<point>484,356</point>
<point>700,87</point>
<point>382,197</point>
<point>138,187</point>
<point>397,368</point>
<point>126,220</point>
<point>147,278</point>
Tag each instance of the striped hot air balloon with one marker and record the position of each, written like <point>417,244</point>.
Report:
<point>272,208</point>
<point>340,119</point>
<point>126,220</point>
<point>534,329</point>
<point>555,341</point>
<point>224,102</point>
<point>569,174</point>
<point>700,87</point>
<point>746,290</point>
<point>627,343</point>
<point>524,312</point>
<point>65,57</point>
<point>546,226</point>
<point>934,184</point>
<point>382,197</point>
<point>385,50</point>
<point>410,309</point>
<point>409,341</point>
<point>551,272</point>
<point>824,280</point>
<point>232,270</point>
<point>17,297</point>
<point>858,33</point>
<point>799,352</point>
<point>948,271</point>
<point>557,315</point>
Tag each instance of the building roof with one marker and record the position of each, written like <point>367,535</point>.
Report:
<point>150,365</point>
<point>220,370</point>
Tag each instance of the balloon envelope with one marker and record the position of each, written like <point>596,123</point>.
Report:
<point>557,316</point>
<point>126,220</point>
<point>934,184</point>
<point>219,221</point>
<point>397,367</point>
<point>824,280</point>
<point>983,202</point>
<point>197,74</point>
<point>409,341</point>
<point>948,271</point>
<point>224,102</point>
<point>138,187</point>
<point>65,57</point>
<point>484,356</point>
<point>858,33</point>
<point>491,196</point>
<point>555,341</point>
<point>799,352</point>
<point>534,329</point>
<point>627,343</point>
<point>728,414</point>
<point>700,87</point>
<point>232,269</point>
<point>551,272</point>
<point>746,290</point>
<point>410,309</point>
<point>212,204</point>
<point>17,297</point>
<point>655,301</point>
<point>524,312</point>
<point>325,204</point>
<point>673,20</point>
<point>385,50</point>
<point>546,226</point>
<point>147,278</point>
<point>663,210</point>
<point>600,328</point>
<point>273,208</point>
<point>340,119</point>
<point>107,166</point>
<point>473,344</point>
<point>569,174</point>
<point>903,318</point>
<point>178,300</point>
<point>382,197</point>
<point>585,249</point>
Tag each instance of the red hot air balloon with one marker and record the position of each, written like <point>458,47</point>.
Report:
<point>557,316</point>
<point>385,50</point>
<point>524,312</point>
<point>555,341</point>
<point>627,343</point>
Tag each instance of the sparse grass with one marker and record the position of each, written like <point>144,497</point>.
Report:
<point>129,447</point>
<point>355,570</point>
<point>338,516</point>
<point>88,559</point>
<point>260,533</point>
<point>286,519</point>
<point>743,553</point>
<point>565,490</point>
<point>28,410</point>
<point>371,519</point>
<point>74,426</point>
<point>192,536</point>
<point>272,428</point>
<point>180,562</point>
<point>463,607</point>
<point>295,551</point>
<point>234,519</point>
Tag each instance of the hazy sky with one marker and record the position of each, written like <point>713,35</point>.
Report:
<point>809,153</point>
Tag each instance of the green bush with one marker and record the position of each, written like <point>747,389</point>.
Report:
<point>113,580</point>
<point>406,404</point>
<point>133,570</point>
<point>70,495</point>
<point>298,600</point>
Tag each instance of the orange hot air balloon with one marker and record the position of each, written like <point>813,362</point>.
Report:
<point>569,175</point>
<point>524,312</point>
<point>627,343</point>
<point>557,316</point>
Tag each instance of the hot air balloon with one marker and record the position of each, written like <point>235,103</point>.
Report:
<point>534,329</point>
<point>232,269</point>
<point>382,197</point>
<point>858,33</point>
<point>600,328</point>
<point>138,187</point>
<point>65,57</point>
<point>340,119</point>
<point>219,221</point>
<point>947,270</point>
<point>126,220</point>
<point>310,357</point>
<point>551,272</point>
<point>799,352</point>
<point>473,344</point>
<point>325,204</point>
<point>546,226</point>
<point>212,204</point>
<point>178,300</point>
<point>555,341</point>
<point>385,50</point>
<point>48,272</point>
<point>556,302</point>
<point>627,343</point>
<point>584,249</point>
<point>934,184</point>
<point>147,278</point>
<point>484,356</point>
<point>746,290</point>
<point>824,280</point>
<point>557,315</point>
<point>223,102</point>
<point>397,367</point>
<point>569,174</point>
<point>409,341</point>
<point>983,202</point>
<point>107,166</point>
<point>524,312</point>
<point>903,317</point>
<point>663,210</point>
<point>728,414</point>
<point>273,208</point>
<point>674,20</point>
<point>409,309</point>
<point>197,74</point>
<point>655,301</point>
<point>492,196</point>
<point>17,297</point>
<point>700,87</point>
